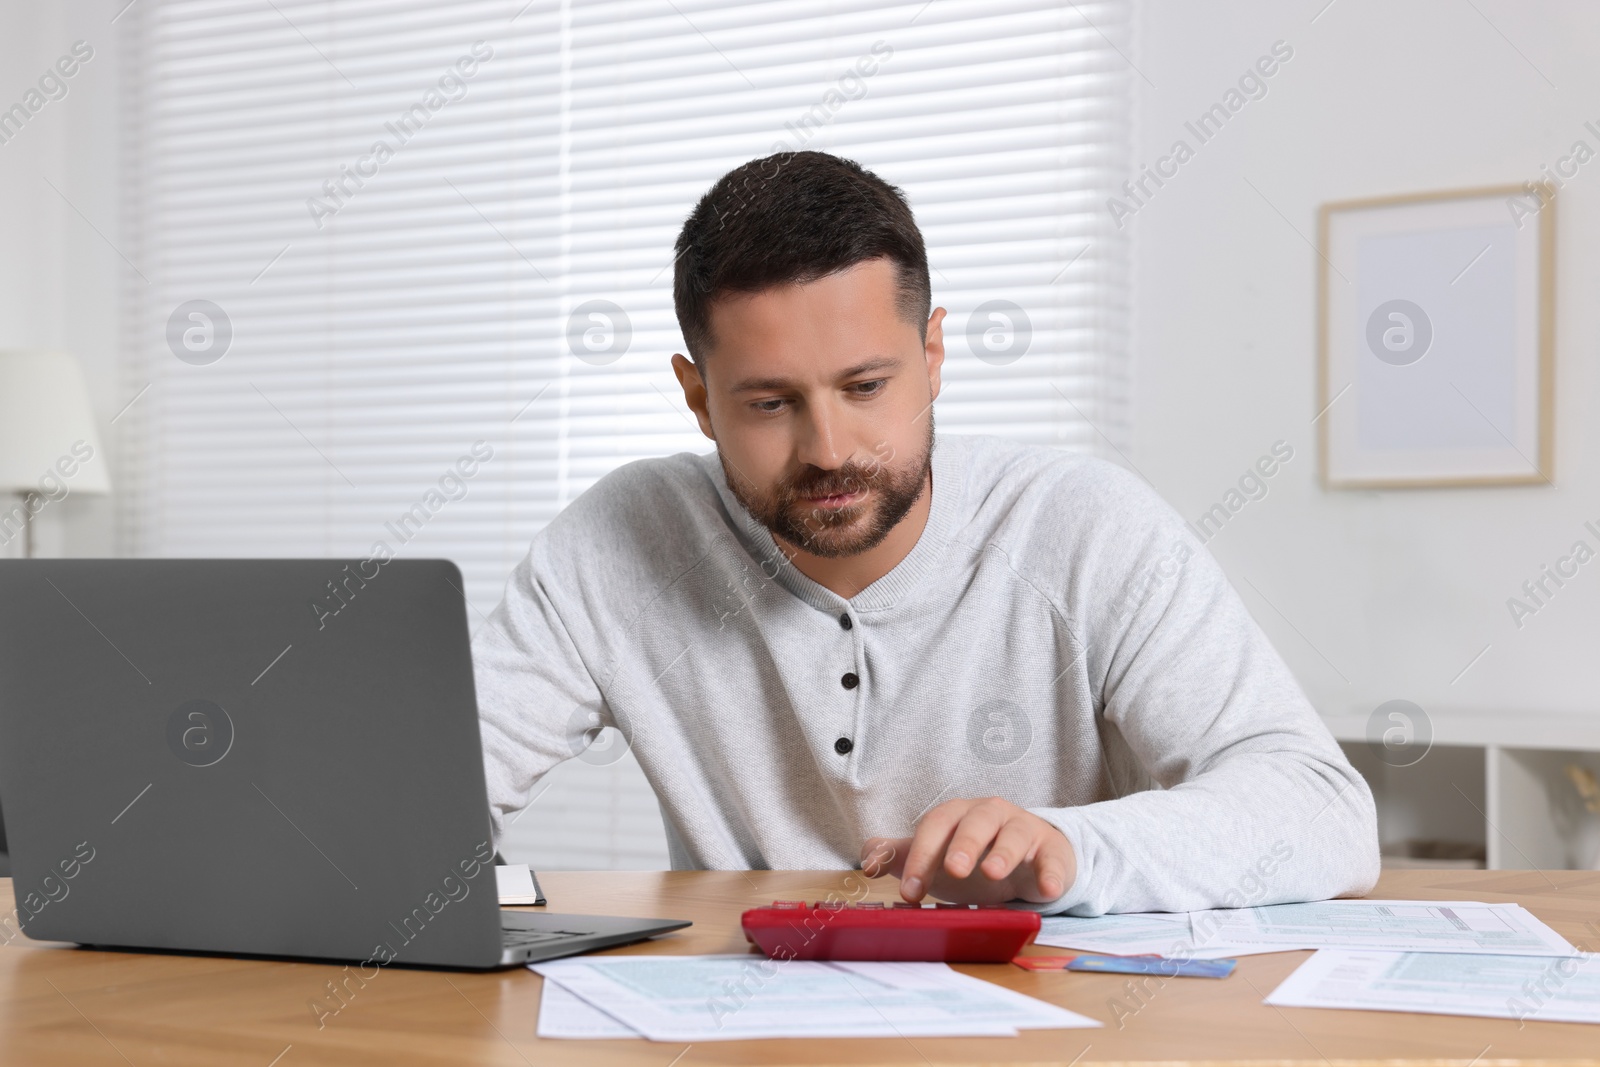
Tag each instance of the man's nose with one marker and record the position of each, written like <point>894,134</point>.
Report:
<point>819,438</point>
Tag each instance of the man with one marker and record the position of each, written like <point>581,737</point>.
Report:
<point>999,672</point>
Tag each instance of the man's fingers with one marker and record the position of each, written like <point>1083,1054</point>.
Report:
<point>1012,845</point>
<point>928,848</point>
<point>973,837</point>
<point>884,855</point>
<point>977,851</point>
<point>1051,865</point>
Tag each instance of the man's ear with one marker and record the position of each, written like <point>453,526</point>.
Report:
<point>933,351</point>
<point>694,391</point>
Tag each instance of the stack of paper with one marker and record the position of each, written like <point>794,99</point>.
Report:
<point>719,998</point>
<point>1387,925</point>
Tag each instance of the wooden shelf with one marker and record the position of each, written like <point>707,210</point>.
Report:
<point>1499,780</point>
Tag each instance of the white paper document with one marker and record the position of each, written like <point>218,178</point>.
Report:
<point>1158,933</point>
<point>562,1013</point>
<point>515,884</point>
<point>1390,925</point>
<point>1168,934</point>
<point>1531,988</point>
<point>720,998</point>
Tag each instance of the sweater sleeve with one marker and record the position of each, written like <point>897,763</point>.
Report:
<point>1253,802</point>
<point>538,704</point>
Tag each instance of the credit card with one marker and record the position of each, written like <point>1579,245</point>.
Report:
<point>1043,963</point>
<point>1157,965</point>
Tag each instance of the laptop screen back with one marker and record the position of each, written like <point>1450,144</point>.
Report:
<point>275,757</point>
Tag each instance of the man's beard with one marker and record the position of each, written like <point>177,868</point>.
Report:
<point>835,533</point>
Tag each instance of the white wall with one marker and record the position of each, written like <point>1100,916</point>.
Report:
<point>1381,595</point>
<point>59,279</point>
<point>1369,595</point>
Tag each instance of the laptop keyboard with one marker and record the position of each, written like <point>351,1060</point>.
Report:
<point>514,938</point>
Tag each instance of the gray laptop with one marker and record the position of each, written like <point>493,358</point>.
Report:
<point>256,757</point>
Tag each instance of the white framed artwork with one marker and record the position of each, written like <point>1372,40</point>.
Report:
<point>1435,358</point>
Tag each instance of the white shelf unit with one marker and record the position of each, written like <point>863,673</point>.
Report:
<point>1495,780</point>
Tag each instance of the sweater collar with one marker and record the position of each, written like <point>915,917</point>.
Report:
<point>948,463</point>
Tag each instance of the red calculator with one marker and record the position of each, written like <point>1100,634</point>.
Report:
<point>941,933</point>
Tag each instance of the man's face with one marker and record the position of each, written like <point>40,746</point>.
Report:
<point>819,397</point>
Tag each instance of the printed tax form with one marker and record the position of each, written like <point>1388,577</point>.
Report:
<point>1387,925</point>
<point>1542,988</point>
<point>718,998</point>
<point>1412,925</point>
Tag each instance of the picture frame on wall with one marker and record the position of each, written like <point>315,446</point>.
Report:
<point>1436,339</point>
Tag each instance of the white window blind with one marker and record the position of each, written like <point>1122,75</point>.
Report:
<point>384,308</point>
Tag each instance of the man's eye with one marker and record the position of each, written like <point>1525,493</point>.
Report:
<point>770,406</point>
<point>872,388</point>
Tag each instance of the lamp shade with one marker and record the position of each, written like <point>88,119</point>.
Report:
<point>47,431</point>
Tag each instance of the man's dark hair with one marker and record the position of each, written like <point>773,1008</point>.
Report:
<point>792,218</point>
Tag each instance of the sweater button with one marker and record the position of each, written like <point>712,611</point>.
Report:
<point>843,746</point>
<point>850,681</point>
<point>844,621</point>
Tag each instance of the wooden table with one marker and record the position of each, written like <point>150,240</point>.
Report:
<point>64,1005</point>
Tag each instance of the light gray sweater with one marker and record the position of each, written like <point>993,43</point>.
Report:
<point>1057,637</point>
